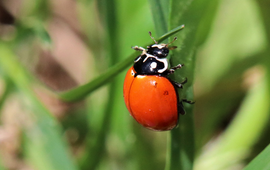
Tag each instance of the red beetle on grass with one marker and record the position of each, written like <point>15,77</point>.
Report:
<point>150,96</point>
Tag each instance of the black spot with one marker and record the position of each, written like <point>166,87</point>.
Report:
<point>166,93</point>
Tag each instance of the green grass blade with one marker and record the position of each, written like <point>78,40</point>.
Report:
<point>205,25</point>
<point>181,140</point>
<point>261,162</point>
<point>82,91</point>
<point>160,11</point>
<point>44,147</point>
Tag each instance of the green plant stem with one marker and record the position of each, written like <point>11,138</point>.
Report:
<point>179,137</point>
<point>80,92</point>
<point>181,140</point>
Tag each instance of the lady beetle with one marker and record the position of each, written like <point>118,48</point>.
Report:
<point>150,96</point>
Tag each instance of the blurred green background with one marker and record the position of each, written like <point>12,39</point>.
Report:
<point>48,48</point>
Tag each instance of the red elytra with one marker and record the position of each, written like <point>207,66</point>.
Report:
<point>152,100</point>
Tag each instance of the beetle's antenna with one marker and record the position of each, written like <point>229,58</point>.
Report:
<point>152,37</point>
<point>175,38</point>
<point>172,47</point>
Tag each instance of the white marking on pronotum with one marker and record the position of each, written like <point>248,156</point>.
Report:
<point>165,62</point>
<point>160,46</point>
<point>153,66</point>
<point>149,55</point>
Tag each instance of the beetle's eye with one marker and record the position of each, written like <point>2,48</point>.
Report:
<point>165,50</point>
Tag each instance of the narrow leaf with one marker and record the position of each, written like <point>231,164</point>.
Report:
<point>160,15</point>
<point>181,140</point>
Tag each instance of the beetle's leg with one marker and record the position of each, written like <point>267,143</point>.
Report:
<point>177,67</point>
<point>181,111</point>
<point>172,70</point>
<point>188,101</point>
<point>137,48</point>
<point>180,85</point>
<point>181,108</point>
<point>150,33</point>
